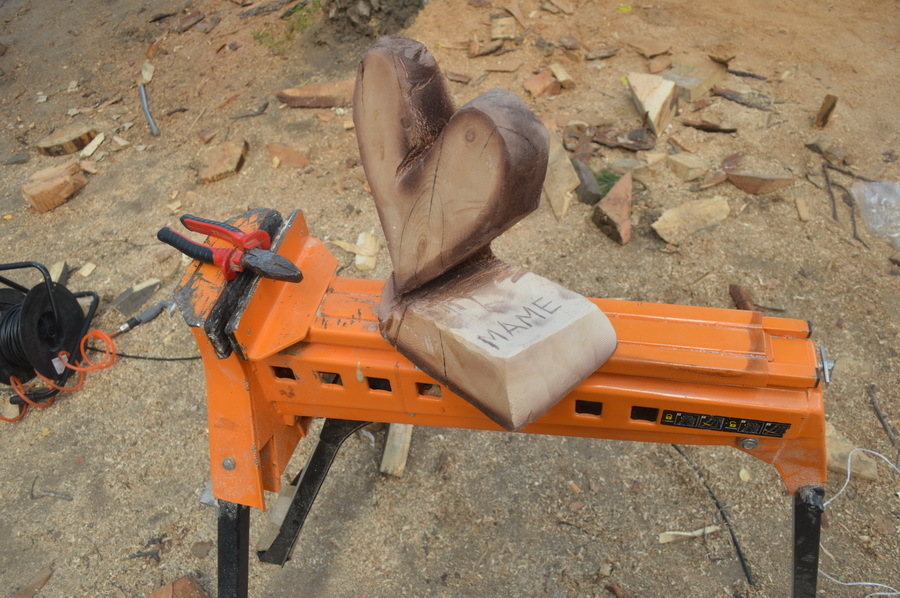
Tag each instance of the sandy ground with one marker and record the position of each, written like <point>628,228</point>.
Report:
<point>476,514</point>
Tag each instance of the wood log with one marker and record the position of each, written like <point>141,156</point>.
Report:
<point>508,341</point>
<point>53,186</point>
<point>66,140</point>
<point>446,182</point>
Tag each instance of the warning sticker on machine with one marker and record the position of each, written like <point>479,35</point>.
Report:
<point>721,423</point>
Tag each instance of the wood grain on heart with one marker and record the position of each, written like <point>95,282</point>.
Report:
<point>446,182</point>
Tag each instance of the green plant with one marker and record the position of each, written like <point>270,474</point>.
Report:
<point>278,37</point>
<point>606,179</point>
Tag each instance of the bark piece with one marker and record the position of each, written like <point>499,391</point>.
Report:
<point>184,587</point>
<point>446,182</point>
<point>486,332</point>
<point>290,154</point>
<point>189,21</point>
<point>53,186</point>
<point>67,140</point>
<point>741,297</point>
<point>694,74</point>
<point>757,184</point>
<point>655,98</point>
<point>687,167</point>
<point>561,180</point>
<point>751,99</point>
<point>709,127</point>
<point>334,94</point>
<point>35,585</point>
<point>613,214</point>
<point>825,111</point>
<point>589,191</point>
<point>601,53</point>
<point>543,84</point>
<point>676,225</point>
<point>223,161</point>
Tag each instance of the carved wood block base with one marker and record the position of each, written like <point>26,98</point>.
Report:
<point>508,341</point>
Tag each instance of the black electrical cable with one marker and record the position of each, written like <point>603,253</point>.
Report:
<point>737,546</point>
<point>11,348</point>
<point>146,357</point>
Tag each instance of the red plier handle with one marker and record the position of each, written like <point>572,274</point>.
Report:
<point>229,260</point>
<point>220,230</point>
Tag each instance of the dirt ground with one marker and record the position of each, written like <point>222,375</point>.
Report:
<point>475,514</point>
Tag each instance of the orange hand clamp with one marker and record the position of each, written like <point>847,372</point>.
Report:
<point>277,354</point>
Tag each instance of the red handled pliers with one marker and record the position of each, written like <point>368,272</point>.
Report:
<point>250,252</point>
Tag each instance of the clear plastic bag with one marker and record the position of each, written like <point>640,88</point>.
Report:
<point>879,204</point>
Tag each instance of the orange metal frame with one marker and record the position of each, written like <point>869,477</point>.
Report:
<point>680,374</point>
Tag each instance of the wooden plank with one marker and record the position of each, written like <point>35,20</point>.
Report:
<point>396,449</point>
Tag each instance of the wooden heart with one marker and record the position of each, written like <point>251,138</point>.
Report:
<point>446,182</point>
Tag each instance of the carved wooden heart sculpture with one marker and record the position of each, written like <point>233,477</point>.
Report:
<point>446,182</point>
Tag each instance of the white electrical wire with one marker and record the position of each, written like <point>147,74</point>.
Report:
<point>892,591</point>
<point>849,458</point>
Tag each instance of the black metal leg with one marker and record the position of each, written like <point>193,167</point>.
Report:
<point>808,509</point>
<point>234,549</point>
<point>334,432</point>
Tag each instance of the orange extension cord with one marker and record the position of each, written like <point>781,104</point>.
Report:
<point>108,359</point>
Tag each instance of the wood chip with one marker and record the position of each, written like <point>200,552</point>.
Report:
<point>757,184</point>
<point>544,84</point>
<point>648,46</point>
<point>290,154</point>
<point>561,75</point>
<point>223,160</point>
<point>91,147</point>
<point>676,225</point>
<point>335,94</point>
<point>667,537</point>
<point>503,28</point>
<point>613,214</point>
<point>655,98</point>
